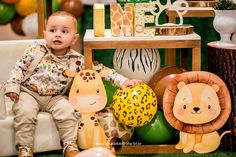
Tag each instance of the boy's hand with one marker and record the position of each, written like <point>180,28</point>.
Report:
<point>131,83</point>
<point>13,96</point>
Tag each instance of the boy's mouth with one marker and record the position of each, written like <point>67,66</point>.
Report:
<point>57,42</point>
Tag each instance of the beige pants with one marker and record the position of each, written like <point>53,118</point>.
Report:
<point>26,111</point>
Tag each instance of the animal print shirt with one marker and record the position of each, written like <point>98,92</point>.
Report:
<point>48,77</point>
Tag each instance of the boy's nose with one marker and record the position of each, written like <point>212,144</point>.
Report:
<point>58,33</point>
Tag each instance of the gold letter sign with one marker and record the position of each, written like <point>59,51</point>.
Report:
<point>122,21</point>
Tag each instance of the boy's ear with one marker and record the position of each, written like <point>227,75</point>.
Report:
<point>76,37</point>
<point>44,33</point>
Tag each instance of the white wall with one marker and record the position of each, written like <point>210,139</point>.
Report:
<point>6,33</point>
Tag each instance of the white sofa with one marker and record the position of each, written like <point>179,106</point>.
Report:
<point>46,135</point>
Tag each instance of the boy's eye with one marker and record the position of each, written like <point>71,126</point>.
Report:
<point>65,31</point>
<point>52,30</point>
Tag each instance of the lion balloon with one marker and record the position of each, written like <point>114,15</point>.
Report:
<point>197,104</point>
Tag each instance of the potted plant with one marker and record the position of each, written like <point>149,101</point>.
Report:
<point>225,5</point>
<point>225,21</point>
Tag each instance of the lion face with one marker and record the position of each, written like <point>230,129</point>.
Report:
<point>196,103</point>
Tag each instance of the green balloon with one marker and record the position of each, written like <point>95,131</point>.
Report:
<point>45,7</point>
<point>79,24</point>
<point>158,131</point>
<point>55,5</point>
<point>7,12</point>
<point>110,90</point>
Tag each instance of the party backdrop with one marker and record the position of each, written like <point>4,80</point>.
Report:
<point>202,26</point>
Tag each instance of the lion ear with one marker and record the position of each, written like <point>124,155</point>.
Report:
<point>181,85</point>
<point>215,87</point>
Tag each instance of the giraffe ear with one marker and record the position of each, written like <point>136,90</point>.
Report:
<point>70,73</point>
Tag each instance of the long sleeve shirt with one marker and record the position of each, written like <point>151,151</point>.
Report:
<point>48,77</point>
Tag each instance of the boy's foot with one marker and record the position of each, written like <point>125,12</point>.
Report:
<point>25,151</point>
<point>71,150</point>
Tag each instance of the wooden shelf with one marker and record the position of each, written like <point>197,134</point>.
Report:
<point>109,42</point>
<point>41,18</point>
<point>192,12</point>
<point>171,16</point>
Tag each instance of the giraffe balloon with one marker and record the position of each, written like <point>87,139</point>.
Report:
<point>87,96</point>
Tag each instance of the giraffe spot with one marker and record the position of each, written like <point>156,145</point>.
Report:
<point>78,63</point>
<point>107,134</point>
<point>114,133</point>
<point>125,137</point>
<point>113,123</point>
<point>121,127</point>
<point>105,127</point>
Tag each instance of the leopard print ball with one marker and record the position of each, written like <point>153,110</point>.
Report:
<point>136,106</point>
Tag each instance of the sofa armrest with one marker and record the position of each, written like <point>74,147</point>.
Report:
<point>3,112</point>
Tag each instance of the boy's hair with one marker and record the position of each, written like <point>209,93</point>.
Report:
<point>64,13</point>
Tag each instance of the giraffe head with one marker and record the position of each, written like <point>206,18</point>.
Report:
<point>87,93</point>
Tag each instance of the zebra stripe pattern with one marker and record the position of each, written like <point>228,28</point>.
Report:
<point>145,60</point>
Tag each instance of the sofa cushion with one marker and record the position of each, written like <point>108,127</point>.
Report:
<point>46,135</point>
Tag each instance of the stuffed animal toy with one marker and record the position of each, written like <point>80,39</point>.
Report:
<point>87,96</point>
<point>197,104</point>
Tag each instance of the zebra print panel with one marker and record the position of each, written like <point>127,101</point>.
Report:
<point>138,59</point>
<point>142,61</point>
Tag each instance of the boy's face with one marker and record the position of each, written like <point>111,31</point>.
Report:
<point>60,33</point>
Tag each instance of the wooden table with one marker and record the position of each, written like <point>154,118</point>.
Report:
<point>171,18</point>
<point>192,12</point>
<point>109,42</point>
